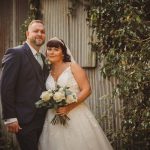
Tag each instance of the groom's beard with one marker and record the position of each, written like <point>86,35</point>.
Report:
<point>38,42</point>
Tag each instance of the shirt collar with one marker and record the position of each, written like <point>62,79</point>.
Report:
<point>32,49</point>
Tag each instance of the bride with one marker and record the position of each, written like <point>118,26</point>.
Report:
<point>82,131</point>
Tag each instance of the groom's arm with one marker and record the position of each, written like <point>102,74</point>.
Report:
<point>10,70</point>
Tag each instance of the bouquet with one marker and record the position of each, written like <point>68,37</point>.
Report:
<point>53,99</point>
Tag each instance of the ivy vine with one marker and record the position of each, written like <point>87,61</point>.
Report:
<point>122,31</point>
<point>33,13</point>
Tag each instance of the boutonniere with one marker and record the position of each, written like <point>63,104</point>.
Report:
<point>48,63</point>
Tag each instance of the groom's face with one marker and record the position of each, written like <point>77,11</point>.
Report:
<point>36,34</point>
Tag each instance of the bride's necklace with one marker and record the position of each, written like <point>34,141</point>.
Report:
<point>57,71</point>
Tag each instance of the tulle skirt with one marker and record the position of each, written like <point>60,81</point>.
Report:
<point>82,132</point>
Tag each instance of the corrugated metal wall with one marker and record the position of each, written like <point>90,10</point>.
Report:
<point>74,31</point>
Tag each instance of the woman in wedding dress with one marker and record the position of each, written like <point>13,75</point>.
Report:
<point>82,131</point>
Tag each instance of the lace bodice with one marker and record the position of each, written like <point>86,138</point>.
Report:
<point>66,78</point>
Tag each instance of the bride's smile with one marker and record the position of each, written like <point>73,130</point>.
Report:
<point>54,54</point>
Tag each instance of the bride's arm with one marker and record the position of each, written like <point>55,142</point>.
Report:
<point>84,85</point>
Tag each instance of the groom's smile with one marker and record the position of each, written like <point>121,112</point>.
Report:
<point>36,35</point>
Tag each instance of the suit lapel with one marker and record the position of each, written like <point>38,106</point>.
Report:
<point>36,66</point>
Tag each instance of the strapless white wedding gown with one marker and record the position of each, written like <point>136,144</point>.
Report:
<point>82,131</point>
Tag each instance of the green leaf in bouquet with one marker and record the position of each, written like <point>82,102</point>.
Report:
<point>58,87</point>
<point>62,103</point>
<point>50,105</point>
<point>74,96</point>
<point>39,104</point>
<point>66,87</point>
<point>60,119</point>
<point>55,106</point>
<point>68,92</point>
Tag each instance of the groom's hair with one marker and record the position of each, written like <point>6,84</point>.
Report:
<point>60,44</point>
<point>35,21</point>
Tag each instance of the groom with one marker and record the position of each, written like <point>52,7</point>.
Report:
<point>22,82</point>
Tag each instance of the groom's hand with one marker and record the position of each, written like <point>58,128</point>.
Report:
<point>13,127</point>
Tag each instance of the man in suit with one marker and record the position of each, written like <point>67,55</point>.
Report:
<point>22,82</point>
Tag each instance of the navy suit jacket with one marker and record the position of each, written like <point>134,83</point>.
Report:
<point>22,83</point>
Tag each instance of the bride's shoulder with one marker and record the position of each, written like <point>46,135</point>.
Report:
<point>76,68</point>
<point>74,65</point>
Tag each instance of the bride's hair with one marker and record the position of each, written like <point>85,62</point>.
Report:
<point>60,44</point>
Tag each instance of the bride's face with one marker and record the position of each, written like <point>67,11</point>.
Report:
<point>54,54</point>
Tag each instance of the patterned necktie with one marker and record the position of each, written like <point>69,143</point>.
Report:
<point>39,59</point>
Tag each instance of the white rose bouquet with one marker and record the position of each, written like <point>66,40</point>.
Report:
<point>53,99</point>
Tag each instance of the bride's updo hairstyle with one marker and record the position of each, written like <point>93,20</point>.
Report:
<point>58,43</point>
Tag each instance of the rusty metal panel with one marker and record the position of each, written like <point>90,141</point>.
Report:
<point>12,15</point>
<point>5,25</point>
<point>20,15</point>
